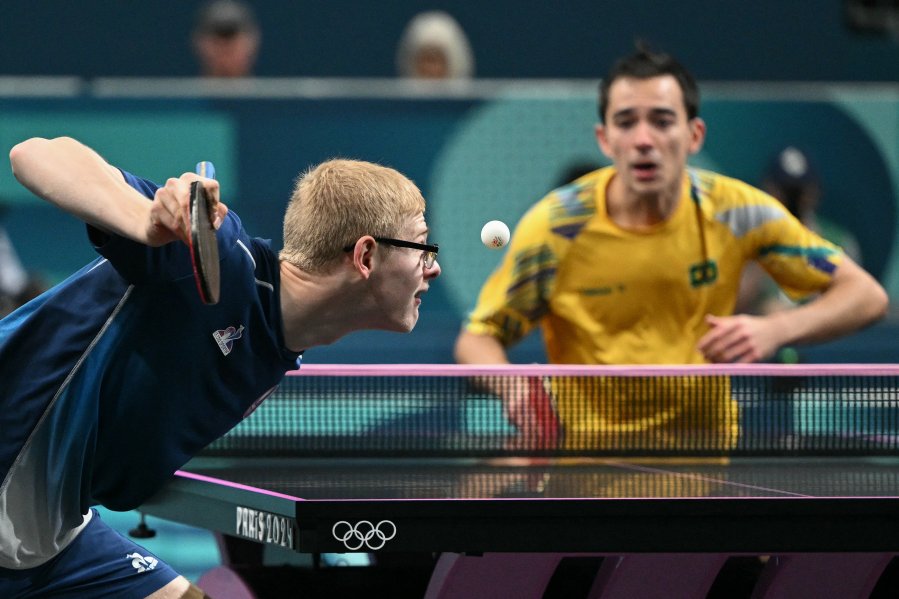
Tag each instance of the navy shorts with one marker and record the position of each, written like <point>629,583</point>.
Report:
<point>100,562</point>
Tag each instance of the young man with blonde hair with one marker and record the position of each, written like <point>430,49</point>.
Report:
<point>117,376</point>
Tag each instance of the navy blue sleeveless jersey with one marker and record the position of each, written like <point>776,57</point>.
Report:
<point>117,376</point>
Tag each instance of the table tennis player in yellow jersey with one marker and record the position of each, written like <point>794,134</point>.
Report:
<point>640,262</point>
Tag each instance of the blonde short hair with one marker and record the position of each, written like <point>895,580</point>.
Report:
<point>339,201</point>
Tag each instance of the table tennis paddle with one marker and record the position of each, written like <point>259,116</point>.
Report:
<point>544,425</point>
<point>204,249</point>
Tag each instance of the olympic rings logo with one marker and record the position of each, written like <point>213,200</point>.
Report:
<point>364,533</point>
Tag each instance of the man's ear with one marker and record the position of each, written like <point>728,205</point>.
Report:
<point>600,132</point>
<point>697,134</point>
<point>363,256</point>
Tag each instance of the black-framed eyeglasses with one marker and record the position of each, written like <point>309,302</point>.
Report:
<point>429,251</point>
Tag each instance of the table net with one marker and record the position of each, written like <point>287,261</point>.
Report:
<point>456,411</point>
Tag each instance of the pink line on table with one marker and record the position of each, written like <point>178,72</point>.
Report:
<point>233,485</point>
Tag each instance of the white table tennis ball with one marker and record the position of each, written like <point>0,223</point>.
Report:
<point>495,234</point>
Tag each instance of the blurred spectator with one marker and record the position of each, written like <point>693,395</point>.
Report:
<point>791,178</point>
<point>13,278</point>
<point>434,46</point>
<point>226,39</point>
<point>17,286</point>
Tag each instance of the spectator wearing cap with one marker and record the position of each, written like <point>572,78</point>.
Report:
<point>434,46</point>
<point>791,177</point>
<point>17,284</point>
<point>226,39</point>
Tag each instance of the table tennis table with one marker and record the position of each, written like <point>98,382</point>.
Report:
<point>502,524</point>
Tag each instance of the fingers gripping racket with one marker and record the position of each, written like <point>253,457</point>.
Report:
<point>204,249</point>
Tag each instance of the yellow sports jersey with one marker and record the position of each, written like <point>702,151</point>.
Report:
<point>606,295</point>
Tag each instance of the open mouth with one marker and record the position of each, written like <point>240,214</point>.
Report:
<point>645,170</point>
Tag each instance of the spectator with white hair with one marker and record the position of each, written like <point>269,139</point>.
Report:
<point>434,46</point>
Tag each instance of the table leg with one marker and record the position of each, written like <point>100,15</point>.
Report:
<point>844,575</point>
<point>651,575</point>
<point>492,575</point>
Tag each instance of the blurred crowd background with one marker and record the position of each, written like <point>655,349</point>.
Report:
<point>767,40</point>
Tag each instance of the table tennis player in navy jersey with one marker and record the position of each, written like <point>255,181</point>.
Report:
<point>115,377</point>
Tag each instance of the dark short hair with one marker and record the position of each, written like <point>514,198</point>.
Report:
<point>226,18</point>
<point>646,64</point>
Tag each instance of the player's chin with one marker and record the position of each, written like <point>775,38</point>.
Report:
<point>403,323</point>
<point>410,321</point>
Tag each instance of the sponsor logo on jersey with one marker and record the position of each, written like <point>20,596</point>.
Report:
<point>141,563</point>
<point>225,338</point>
<point>703,273</point>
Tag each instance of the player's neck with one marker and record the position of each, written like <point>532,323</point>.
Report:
<point>314,310</point>
<point>631,210</point>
